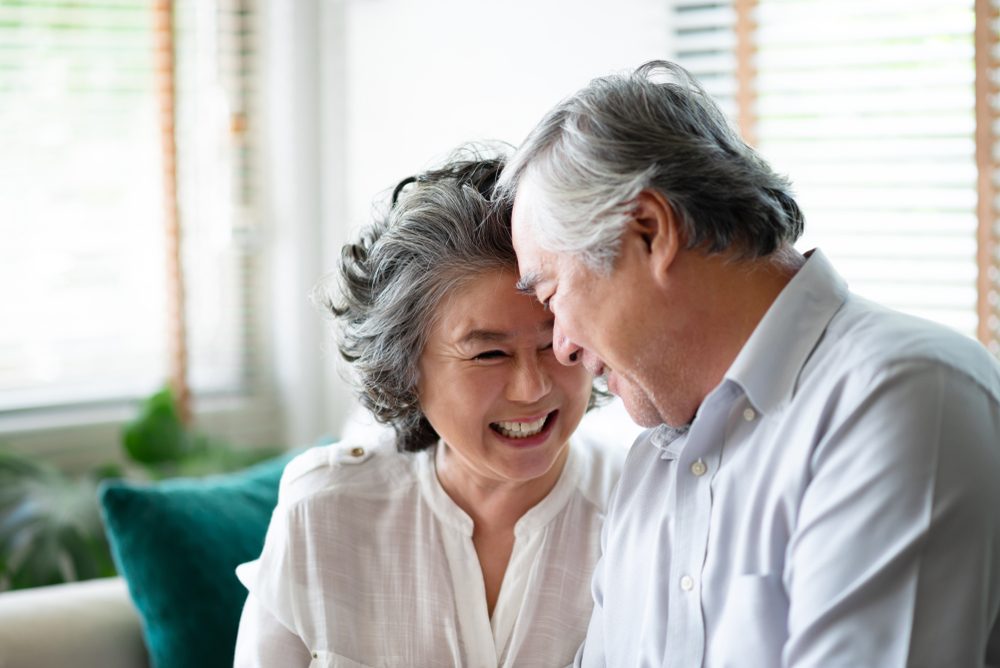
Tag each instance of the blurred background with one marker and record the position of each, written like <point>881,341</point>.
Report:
<point>175,177</point>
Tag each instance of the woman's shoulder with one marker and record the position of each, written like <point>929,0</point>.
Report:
<point>350,467</point>
<point>600,463</point>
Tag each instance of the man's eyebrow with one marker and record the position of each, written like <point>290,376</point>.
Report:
<point>526,284</point>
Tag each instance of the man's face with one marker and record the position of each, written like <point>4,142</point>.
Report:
<point>598,318</point>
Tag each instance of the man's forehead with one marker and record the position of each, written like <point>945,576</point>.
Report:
<point>534,263</point>
<point>520,214</point>
<point>534,266</point>
<point>524,214</point>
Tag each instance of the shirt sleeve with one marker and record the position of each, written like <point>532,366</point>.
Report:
<point>264,642</point>
<point>893,558</point>
<point>270,632</point>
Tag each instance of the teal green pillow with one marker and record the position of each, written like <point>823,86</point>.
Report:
<point>176,543</point>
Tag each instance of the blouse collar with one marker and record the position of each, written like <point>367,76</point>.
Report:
<point>537,517</point>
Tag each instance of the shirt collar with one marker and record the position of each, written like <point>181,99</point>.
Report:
<point>446,510</point>
<point>668,439</point>
<point>768,365</point>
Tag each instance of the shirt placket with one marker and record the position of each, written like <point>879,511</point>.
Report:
<point>470,595</point>
<point>697,464</point>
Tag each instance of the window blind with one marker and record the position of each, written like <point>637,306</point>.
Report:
<point>869,108</point>
<point>82,272</point>
<point>217,51</point>
<point>705,43</point>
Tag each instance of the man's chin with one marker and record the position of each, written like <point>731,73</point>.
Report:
<point>637,405</point>
<point>644,419</point>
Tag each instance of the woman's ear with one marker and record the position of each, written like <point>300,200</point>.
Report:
<point>655,222</point>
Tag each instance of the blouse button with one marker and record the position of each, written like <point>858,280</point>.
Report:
<point>315,655</point>
<point>749,414</point>
<point>357,452</point>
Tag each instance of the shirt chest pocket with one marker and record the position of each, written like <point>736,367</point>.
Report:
<point>742,640</point>
<point>331,660</point>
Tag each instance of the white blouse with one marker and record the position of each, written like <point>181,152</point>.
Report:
<point>368,562</point>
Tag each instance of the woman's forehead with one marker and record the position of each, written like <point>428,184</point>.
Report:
<point>489,309</point>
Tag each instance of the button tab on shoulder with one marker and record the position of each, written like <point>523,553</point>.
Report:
<point>351,453</point>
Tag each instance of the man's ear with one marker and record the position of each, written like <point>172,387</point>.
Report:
<point>656,223</point>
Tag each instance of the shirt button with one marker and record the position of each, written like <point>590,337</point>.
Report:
<point>315,655</point>
<point>749,414</point>
<point>687,583</point>
<point>357,452</point>
<point>698,468</point>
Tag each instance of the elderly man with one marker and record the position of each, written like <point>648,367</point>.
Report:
<point>821,483</point>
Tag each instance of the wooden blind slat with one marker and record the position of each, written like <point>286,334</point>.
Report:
<point>163,11</point>
<point>988,304</point>
<point>746,74</point>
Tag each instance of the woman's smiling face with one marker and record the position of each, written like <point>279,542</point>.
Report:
<point>493,389</point>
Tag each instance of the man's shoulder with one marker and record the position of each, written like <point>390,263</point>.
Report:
<point>870,340</point>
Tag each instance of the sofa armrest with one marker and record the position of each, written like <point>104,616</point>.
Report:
<point>79,624</point>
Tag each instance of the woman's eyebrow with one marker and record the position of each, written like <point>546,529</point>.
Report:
<point>484,336</point>
<point>497,336</point>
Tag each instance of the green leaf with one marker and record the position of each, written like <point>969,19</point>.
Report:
<point>50,525</point>
<point>157,434</point>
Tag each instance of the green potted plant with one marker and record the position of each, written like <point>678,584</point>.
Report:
<point>50,522</point>
<point>159,441</point>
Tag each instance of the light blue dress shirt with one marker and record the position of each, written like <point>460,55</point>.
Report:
<point>834,502</point>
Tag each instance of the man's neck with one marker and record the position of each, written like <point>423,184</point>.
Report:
<point>729,298</point>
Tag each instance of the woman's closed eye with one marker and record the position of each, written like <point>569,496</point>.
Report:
<point>490,355</point>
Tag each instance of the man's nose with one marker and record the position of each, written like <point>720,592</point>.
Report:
<point>566,351</point>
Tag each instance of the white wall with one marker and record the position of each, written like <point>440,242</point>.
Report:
<point>423,77</point>
<point>365,92</point>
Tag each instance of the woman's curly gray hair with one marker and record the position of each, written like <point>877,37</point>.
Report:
<point>440,229</point>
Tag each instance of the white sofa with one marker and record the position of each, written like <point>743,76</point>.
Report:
<point>90,624</point>
<point>93,624</point>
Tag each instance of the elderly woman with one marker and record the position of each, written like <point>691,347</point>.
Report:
<point>468,536</point>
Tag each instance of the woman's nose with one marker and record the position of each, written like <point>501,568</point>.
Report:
<point>566,351</point>
<point>531,381</point>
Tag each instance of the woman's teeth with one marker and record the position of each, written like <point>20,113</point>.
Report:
<point>520,429</point>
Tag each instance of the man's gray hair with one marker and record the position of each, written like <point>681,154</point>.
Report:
<point>654,128</point>
<point>439,230</point>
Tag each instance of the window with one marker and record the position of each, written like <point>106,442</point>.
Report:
<point>870,108</point>
<point>81,270</point>
<point>705,43</point>
<point>84,278</point>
